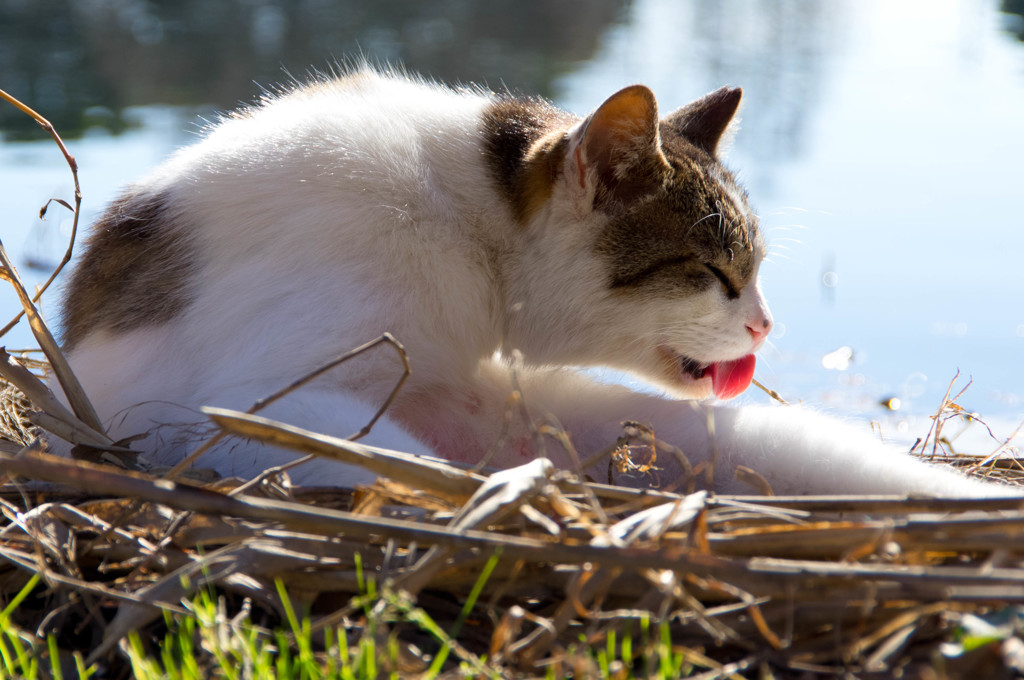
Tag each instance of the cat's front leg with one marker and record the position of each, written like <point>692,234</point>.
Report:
<point>795,450</point>
<point>799,451</point>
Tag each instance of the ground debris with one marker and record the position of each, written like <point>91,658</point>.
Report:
<point>866,584</point>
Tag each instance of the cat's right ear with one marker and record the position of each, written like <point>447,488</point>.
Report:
<point>706,122</point>
<point>615,154</point>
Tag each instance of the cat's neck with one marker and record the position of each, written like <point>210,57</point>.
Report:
<point>489,241</point>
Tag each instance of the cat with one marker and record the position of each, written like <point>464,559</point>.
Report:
<point>474,227</point>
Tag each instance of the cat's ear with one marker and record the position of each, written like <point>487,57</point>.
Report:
<point>705,121</point>
<point>618,147</point>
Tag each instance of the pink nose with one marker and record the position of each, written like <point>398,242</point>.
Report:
<point>759,331</point>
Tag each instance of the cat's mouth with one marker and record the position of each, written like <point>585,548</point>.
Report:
<point>723,379</point>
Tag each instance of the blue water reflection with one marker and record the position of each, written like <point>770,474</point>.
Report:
<point>881,143</point>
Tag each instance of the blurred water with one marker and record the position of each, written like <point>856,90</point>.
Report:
<point>881,143</point>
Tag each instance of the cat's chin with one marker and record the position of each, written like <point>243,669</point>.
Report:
<point>700,389</point>
<point>685,377</point>
<point>693,379</point>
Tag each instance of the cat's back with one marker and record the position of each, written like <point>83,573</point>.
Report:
<point>308,181</point>
<point>283,237</point>
<point>364,129</point>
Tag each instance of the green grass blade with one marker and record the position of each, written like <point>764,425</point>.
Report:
<point>16,601</point>
<point>55,669</point>
<point>467,607</point>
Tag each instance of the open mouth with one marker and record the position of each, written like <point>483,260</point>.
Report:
<point>728,379</point>
<point>691,367</point>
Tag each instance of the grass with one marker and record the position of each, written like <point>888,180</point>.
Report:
<point>745,585</point>
<point>208,643</point>
<point>22,655</point>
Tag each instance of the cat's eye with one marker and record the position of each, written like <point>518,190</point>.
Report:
<point>638,277</point>
<point>730,290</point>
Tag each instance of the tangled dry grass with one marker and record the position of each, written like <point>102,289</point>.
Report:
<point>741,586</point>
<point>795,585</point>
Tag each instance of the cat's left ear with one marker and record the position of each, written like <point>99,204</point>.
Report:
<point>618,148</point>
<point>704,122</point>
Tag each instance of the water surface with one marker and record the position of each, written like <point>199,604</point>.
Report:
<point>881,143</point>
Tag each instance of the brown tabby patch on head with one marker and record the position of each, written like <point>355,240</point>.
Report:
<point>526,143</point>
<point>132,273</point>
<point>694,231</point>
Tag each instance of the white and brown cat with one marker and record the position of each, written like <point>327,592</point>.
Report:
<point>468,225</point>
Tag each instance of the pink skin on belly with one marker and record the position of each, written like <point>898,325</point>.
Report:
<point>459,427</point>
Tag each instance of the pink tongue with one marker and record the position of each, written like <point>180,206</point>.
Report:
<point>730,378</point>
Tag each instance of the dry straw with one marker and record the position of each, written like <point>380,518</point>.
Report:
<point>739,585</point>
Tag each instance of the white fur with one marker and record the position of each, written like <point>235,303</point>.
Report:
<point>364,205</point>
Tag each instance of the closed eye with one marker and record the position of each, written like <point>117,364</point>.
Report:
<point>731,291</point>
<point>633,278</point>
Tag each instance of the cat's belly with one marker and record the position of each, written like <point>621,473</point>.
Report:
<point>141,387</point>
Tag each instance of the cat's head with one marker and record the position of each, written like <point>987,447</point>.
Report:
<point>642,252</point>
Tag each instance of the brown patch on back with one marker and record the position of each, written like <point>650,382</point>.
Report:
<point>526,144</point>
<point>134,272</point>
